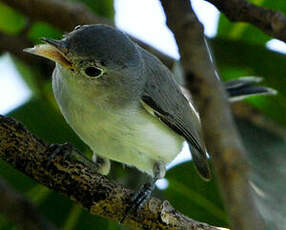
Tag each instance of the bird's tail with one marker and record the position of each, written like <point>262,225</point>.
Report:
<point>243,87</point>
<point>201,163</point>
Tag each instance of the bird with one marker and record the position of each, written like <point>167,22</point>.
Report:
<point>125,104</point>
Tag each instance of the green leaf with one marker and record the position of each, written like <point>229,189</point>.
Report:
<point>102,8</point>
<point>202,198</point>
<point>56,208</point>
<point>245,31</point>
<point>73,218</point>
<point>237,57</point>
<point>42,29</point>
<point>11,21</point>
<point>267,158</point>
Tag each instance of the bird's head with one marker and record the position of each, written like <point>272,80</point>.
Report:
<point>93,52</point>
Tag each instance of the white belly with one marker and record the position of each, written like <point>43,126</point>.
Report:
<point>133,138</point>
<point>129,135</point>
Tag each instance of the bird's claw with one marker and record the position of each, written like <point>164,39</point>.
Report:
<point>138,200</point>
<point>55,149</point>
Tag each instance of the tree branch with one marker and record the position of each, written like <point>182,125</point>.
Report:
<point>20,210</point>
<point>94,192</point>
<point>15,44</point>
<point>270,22</point>
<point>221,137</point>
<point>254,116</point>
<point>62,14</point>
<point>66,15</point>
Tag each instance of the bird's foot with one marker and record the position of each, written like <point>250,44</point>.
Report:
<point>68,151</point>
<point>55,149</point>
<point>139,199</point>
<point>144,193</point>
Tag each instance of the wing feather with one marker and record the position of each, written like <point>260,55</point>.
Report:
<point>163,95</point>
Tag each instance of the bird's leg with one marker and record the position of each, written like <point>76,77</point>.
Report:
<point>69,151</point>
<point>102,164</point>
<point>144,193</point>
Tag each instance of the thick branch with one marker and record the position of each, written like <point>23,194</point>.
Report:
<point>63,14</point>
<point>270,22</point>
<point>20,210</point>
<point>221,137</point>
<point>93,191</point>
<point>66,15</point>
<point>15,44</point>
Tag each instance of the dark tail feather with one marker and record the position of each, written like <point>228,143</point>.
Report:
<point>201,163</point>
<point>241,88</point>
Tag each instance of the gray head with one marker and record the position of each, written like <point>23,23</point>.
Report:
<point>92,51</point>
<point>101,43</point>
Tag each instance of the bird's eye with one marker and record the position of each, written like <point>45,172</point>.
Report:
<point>93,72</point>
<point>77,27</point>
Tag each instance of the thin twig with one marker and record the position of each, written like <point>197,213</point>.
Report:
<point>94,192</point>
<point>20,210</point>
<point>65,15</point>
<point>221,137</point>
<point>270,22</point>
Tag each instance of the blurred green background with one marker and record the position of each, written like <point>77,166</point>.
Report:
<point>239,50</point>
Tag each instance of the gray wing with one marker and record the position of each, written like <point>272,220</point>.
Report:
<point>164,96</point>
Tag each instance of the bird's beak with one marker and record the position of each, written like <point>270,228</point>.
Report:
<point>53,50</point>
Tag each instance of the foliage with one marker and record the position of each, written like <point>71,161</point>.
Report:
<point>239,49</point>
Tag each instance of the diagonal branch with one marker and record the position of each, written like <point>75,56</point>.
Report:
<point>93,191</point>
<point>62,14</point>
<point>221,137</point>
<point>15,44</point>
<point>270,22</point>
<point>65,15</point>
<point>20,210</point>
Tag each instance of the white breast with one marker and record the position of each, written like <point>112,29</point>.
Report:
<point>129,134</point>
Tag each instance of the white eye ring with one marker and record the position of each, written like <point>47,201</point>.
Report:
<point>77,27</point>
<point>93,72</point>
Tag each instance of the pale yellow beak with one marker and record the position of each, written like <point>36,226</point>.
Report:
<point>51,50</point>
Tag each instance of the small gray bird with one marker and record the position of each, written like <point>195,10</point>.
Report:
<point>124,103</point>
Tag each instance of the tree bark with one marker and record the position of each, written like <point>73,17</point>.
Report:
<point>270,22</point>
<point>220,134</point>
<point>94,192</point>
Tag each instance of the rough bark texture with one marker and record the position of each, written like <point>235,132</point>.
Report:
<point>94,192</point>
<point>106,198</point>
<point>270,22</point>
<point>66,15</point>
<point>221,137</point>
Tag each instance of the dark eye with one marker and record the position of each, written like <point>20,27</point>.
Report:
<point>93,71</point>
